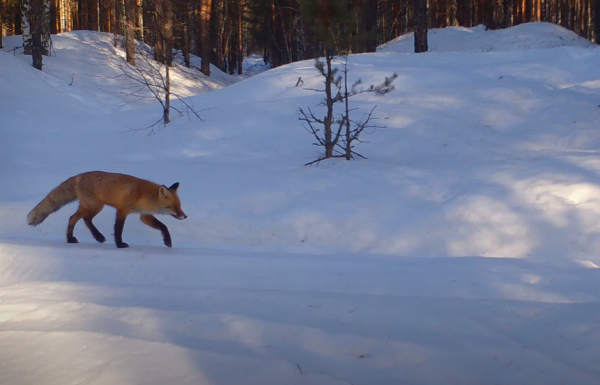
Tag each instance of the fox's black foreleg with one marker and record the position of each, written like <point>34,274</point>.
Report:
<point>151,221</point>
<point>119,224</point>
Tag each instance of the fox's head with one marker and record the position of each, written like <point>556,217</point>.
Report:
<point>169,201</point>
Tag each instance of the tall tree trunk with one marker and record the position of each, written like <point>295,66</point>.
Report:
<point>369,22</point>
<point>329,143</point>
<point>36,21</point>
<point>118,21</point>
<point>54,17</point>
<point>105,15</point>
<point>528,10</point>
<point>26,26</point>
<point>597,21</point>
<point>506,13</point>
<point>46,25</point>
<point>167,109</point>
<point>490,21</point>
<point>158,23</point>
<point>186,35</point>
<point>130,15</point>
<point>139,20</point>
<point>420,20</point>
<point>2,17</point>
<point>82,14</point>
<point>205,23</point>
<point>217,32</point>
<point>93,15</point>
<point>229,46</point>
<point>276,54</point>
<point>240,37</point>
<point>168,33</point>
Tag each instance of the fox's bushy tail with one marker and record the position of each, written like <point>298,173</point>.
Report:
<point>60,196</point>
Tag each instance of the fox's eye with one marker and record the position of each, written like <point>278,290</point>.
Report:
<point>165,206</point>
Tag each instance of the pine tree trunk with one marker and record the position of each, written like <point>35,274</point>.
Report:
<point>420,20</point>
<point>1,22</point>
<point>54,17</point>
<point>36,16</point>
<point>93,15</point>
<point>275,52</point>
<point>139,20</point>
<point>205,19</point>
<point>597,21</point>
<point>217,32</point>
<point>82,14</point>
<point>157,24</point>
<point>130,31</point>
<point>240,37</point>
<point>369,15</point>
<point>118,21</point>
<point>167,110</point>
<point>167,28</point>
<point>229,45</point>
<point>105,15</point>
<point>187,27</point>
<point>329,145</point>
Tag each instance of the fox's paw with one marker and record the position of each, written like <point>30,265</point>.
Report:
<point>72,239</point>
<point>168,242</point>
<point>100,238</point>
<point>122,245</point>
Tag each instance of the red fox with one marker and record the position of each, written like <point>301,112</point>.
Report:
<point>126,193</point>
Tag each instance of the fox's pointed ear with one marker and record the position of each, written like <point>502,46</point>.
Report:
<point>164,191</point>
<point>174,187</point>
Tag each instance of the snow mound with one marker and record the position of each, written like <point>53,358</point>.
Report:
<point>90,64</point>
<point>328,275</point>
<point>478,39</point>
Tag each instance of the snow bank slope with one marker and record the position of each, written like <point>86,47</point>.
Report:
<point>90,64</point>
<point>477,39</point>
<point>285,274</point>
<point>490,154</point>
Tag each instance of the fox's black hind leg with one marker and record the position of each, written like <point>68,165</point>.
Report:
<point>87,219</point>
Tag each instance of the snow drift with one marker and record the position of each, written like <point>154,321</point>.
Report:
<point>333,274</point>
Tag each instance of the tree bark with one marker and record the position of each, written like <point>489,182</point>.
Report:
<point>597,21</point>
<point>240,37</point>
<point>420,20</point>
<point>26,26</point>
<point>36,21</point>
<point>217,32</point>
<point>1,22</point>
<point>186,35</point>
<point>205,13</point>
<point>46,25</point>
<point>118,21</point>
<point>93,19</point>
<point>167,28</point>
<point>329,144</point>
<point>167,109</point>
<point>139,20</point>
<point>54,17</point>
<point>130,15</point>
<point>229,40</point>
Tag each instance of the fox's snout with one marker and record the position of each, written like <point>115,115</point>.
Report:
<point>180,215</point>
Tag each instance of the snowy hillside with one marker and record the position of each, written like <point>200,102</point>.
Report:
<point>90,64</point>
<point>464,250</point>
<point>477,39</point>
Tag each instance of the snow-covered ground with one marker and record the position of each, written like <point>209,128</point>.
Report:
<point>472,40</point>
<point>253,65</point>
<point>463,251</point>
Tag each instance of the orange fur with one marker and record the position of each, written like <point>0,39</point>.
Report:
<point>126,193</point>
